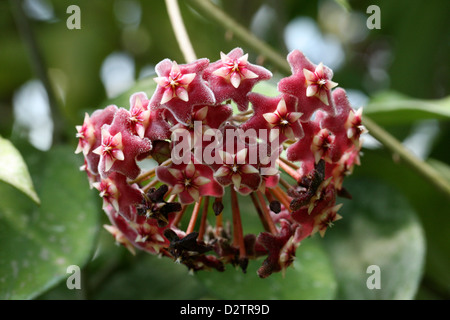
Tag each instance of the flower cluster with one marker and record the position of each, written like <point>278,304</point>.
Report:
<point>303,143</point>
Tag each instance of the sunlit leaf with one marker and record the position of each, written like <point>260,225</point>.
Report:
<point>380,228</point>
<point>310,277</point>
<point>391,108</point>
<point>37,244</point>
<point>14,171</point>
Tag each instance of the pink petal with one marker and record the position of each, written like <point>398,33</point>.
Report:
<point>248,168</point>
<point>236,178</point>
<point>222,172</point>
<point>167,95</point>
<point>186,79</point>
<point>271,118</point>
<point>330,84</point>
<point>281,108</point>
<point>222,72</point>
<point>194,193</point>
<point>247,74</point>
<point>175,70</point>
<point>178,188</point>
<point>182,94</point>
<point>200,181</point>
<point>98,150</point>
<point>241,156</point>
<point>225,59</point>
<point>117,140</point>
<point>323,96</point>
<point>312,90</point>
<point>177,174</point>
<point>244,59</point>
<point>118,154</point>
<point>309,76</point>
<point>294,116</point>
<point>319,71</point>
<point>161,81</point>
<point>235,79</point>
<point>190,170</point>
<point>109,161</point>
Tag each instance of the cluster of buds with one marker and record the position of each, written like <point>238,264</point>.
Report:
<point>214,142</point>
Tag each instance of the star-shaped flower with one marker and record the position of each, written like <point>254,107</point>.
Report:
<point>139,113</point>
<point>237,171</point>
<point>310,84</point>
<point>111,148</point>
<point>181,87</point>
<point>121,148</point>
<point>277,115</point>
<point>85,135</point>
<point>190,181</point>
<point>232,77</point>
<point>318,84</point>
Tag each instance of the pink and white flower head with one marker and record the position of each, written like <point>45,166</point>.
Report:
<point>247,153</point>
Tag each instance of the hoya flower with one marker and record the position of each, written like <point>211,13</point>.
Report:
<point>235,170</point>
<point>233,77</point>
<point>85,135</point>
<point>190,181</point>
<point>310,84</point>
<point>139,113</point>
<point>111,148</point>
<point>277,115</point>
<point>288,164</point>
<point>181,87</point>
<point>318,84</point>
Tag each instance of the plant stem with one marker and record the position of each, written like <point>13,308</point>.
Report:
<point>424,169</point>
<point>39,66</point>
<point>213,12</point>
<point>180,31</point>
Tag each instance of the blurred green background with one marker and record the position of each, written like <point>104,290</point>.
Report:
<point>396,220</point>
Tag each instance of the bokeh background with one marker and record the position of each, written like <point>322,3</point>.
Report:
<point>116,49</point>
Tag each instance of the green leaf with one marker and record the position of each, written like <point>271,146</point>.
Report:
<point>379,228</point>
<point>14,170</point>
<point>310,277</point>
<point>431,206</point>
<point>37,244</point>
<point>389,108</point>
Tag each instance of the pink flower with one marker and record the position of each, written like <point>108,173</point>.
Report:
<point>235,170</point>
<point>303,74</point>
<point>139,113</point>
<point>318,84</point>
<point>190,181</point>
<point>288,155</point>
<point>180,88</point>
<point>85,135</point>
<point>111,148</point>
<point>232,77</point>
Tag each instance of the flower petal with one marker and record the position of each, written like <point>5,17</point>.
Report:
<point>167,95</point>
<point>222,172</point>
<point>312,90</point>
<point>182,94</point>
<point>222,72</point>
<point>247,74</point>
<point>241,156</point>
<point>248,168</point>
<point>281,108</point>
<point>235,79</point>
<point>200,181</point>
<point>186,79</point>
<point>236,178</point>
<point>271,117</point>
<point>190,170</point>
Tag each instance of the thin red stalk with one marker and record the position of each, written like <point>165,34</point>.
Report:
<point>202,229</point>
<point>259,211</point>
<point>194,216</point>
<point>238,236</point>
<point>179,215</point>
<point>289,170</point>
<point>266,212</point>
